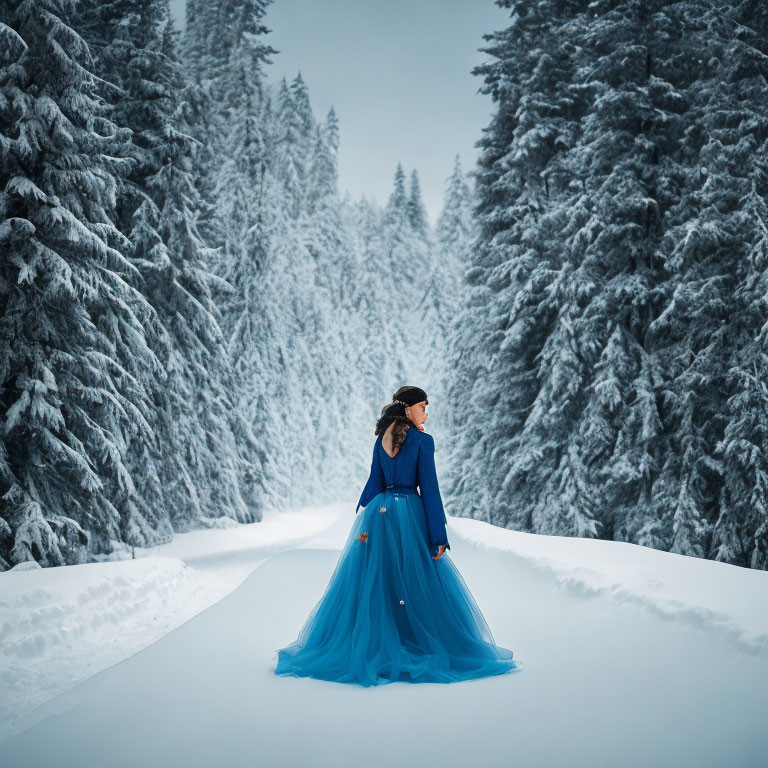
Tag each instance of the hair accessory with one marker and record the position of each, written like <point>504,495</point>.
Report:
<point>403,398</point>
<point>410,396</point>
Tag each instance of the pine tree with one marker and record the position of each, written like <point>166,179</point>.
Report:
<point>197,453</point>
<point>614,229</point>
<point>288,161</point>
<point>323,174</point>
<point>531,365</point>
<point>417,215</point>
<point>456,222</point>
<point>396,211</point>
<point>714,231</point>
<point>74,355</point>
<point>225,53</point>
<point>201,107</point>
<point>740,532</point>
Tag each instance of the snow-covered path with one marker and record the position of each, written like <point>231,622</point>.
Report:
<point>605,682</point>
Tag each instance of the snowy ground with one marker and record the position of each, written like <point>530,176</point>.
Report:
<point>630,657</point>
<point>59,626</point>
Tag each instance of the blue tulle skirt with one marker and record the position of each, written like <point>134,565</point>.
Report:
<point>392,613</point>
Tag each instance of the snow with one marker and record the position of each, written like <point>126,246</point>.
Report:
<point>715,596</point>
<point>630,656</point>
<point>61,625</point>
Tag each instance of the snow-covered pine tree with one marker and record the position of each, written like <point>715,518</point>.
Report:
<point>406,273</point>
<point>331,135</point>
<point>294,142</point>
<point>202,57</point>
<point>614,237</point>
<point>244,194</point>
<point>632,175</point>
<point>259,339</point>
<point>74,354</point>
<point>708,334</point>
<point>275,312</point>
<point>455,232</point>
<point>323,170</point>
<point>225,53</point>
<point>396,210</point>
<point>238,192</point>
<point>417,214</point>
<point>375,359</point>
<point>456,225</point>
<point>530,366</point>
<point>740,532</point>
<point>338,326</point>
<point>627,432</point>
<point>305,120</point>
<point>201,465</point>
<point>286,160</point>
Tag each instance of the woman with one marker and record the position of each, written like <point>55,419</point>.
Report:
<point>396,607</point>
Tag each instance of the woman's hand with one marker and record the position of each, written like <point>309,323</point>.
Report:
<point>440,553</point>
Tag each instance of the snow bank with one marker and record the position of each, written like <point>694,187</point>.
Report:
<point>704,593</point>
<point>61,625</point>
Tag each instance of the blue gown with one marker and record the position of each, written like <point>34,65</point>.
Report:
<point>390,612</point>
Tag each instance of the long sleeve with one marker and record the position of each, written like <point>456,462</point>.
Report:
<point>375,482</point>
<point>430,493</point>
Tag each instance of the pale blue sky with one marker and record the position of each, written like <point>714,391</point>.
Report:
<point>397,73</point>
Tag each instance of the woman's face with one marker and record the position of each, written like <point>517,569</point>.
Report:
<point>417,414</point>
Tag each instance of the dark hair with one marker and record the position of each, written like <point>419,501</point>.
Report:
<point>394,412</point>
